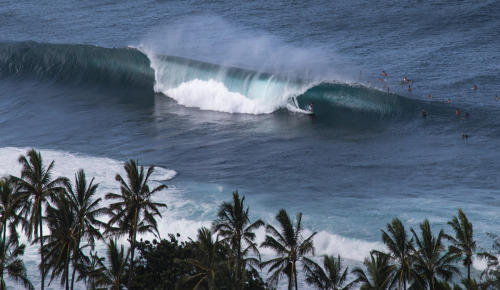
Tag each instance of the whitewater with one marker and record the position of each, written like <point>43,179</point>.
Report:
<point>212,94</point>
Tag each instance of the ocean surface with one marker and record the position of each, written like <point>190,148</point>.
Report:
<point>213,94</point>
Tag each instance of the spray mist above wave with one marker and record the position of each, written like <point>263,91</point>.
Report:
<point>215,40</point>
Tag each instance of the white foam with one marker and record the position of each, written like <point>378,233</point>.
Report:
<point>354,249</point>
<point>214,96</point>
<point>66,164</point>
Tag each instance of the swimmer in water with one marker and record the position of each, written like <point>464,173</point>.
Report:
<point>429,96</point>
<point>384,73</point>
<point>457,112</point>
<point>424,114</point>
<point>409,88</point>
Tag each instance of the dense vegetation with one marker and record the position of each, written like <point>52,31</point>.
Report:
<point>224,256</point>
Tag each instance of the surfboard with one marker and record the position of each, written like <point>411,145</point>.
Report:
<point>311,113</point>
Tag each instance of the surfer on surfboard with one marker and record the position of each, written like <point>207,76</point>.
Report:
<point>310,108</point>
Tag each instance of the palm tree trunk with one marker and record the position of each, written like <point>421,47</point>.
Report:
<point>295,277</point>
<point>238,268</point>
<point>41,248</point>
<point>74,269</point>
<point>73,278</point>
<point>132,250</point>
<point>468,275</point>
<point>4,249</point>
<point>131,272</point>
<point>67,269</point>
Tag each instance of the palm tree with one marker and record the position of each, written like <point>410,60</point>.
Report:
<point>378,273</point>
<point>11,264</point>
<point>490,277</point>
<point>134,212</point>
<point>291,248</point>
<point>10,205</point>
<point>463,244</point>
<point>209,264</point>
<point>333,277</point>
<point>233,224</point>
<point>400,254</point>
<point>62,243</point>
<point>37,188</point>
<point>87,211</point>
<point>112,275</point>
<point>431,259</point>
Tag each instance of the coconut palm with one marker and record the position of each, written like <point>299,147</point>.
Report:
<point>111,275</point>
<point>233,224</point>
<point>378,272</point>
<point>11,264</point>
<point>209,263</point>
<point>10,205</point>
<point>463,244</point>
<point>291,248</point>
<point>134,212</point>
<point>37,188</point>
<point>62,243</point>
<point>490,277</point>
<point>332,276</point>
<point>400,253</point>
<point>87,210</point>
<point>431,259</point>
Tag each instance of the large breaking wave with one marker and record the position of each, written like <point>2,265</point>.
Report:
<point>194,83</point>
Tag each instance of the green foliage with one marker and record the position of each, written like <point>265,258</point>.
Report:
<point>109,273</point>
<point>490,277</point>
<point>61,243</point>
<point>86,210</point>
<point>378,272</point>
<point>333,275</point>
<point>134,212</point>
<point>291,248</point>
<point>12,264</point>
<point>400,254</point>
<point>463,244</point>
<point>234,226</point>
<point>431,260</point>
<point>156,269</point>
<point>37,188</point>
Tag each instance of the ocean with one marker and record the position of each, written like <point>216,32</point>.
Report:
<point>213,94</point>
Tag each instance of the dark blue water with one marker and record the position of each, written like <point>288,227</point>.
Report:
<point>213,92</point>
